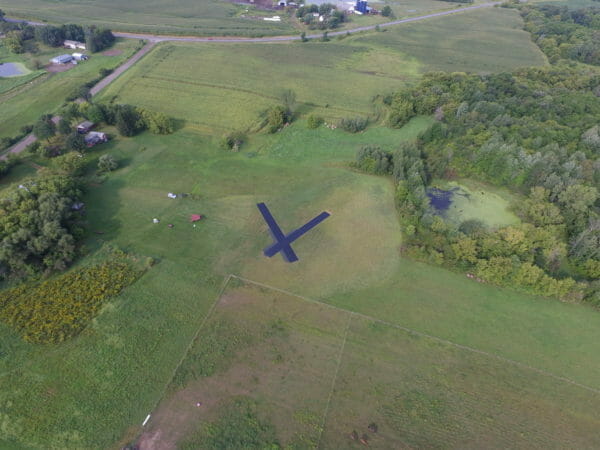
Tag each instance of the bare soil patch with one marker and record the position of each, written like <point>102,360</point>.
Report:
<point>56,68</point>
<point>113,52</point>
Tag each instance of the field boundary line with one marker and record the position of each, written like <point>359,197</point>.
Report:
<point>191,343</point>
<point>429,336</point>
<point>334,381</point>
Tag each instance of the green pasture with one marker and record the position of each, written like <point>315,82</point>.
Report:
<point>95,390</point>
<point>206,17</point>
<point>188,17</point>
<point>43,96</point>
<point>216,88</point>
<point>317,373</point>
<point>222,87</point>
<point>474,200</point>
<point>480,41</point>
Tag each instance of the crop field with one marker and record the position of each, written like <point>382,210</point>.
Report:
<point>205,17</point>
<point>316,374</point>
<point>25,104</point>
<point>223,87</point>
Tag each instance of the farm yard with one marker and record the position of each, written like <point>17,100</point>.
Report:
<point>215,340</point>
<point>25,103</point>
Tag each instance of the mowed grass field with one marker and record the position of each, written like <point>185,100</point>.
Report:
<point>25,104</point>
<point>317,373</point>
<point>216,88</point>
<point>95,391</point>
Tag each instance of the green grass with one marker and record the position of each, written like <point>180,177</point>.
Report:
<point>95,391</point>
<point>216,88</point>
<point>314,374</point>
<point>206,17</point>
<point>325,77</point>
<point>481,41</point>
<point>25,105</point>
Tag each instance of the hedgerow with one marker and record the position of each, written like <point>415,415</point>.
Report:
<point>58,309</point>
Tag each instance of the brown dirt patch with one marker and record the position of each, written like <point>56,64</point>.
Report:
<point>113,52</point>
<point>56,68</point>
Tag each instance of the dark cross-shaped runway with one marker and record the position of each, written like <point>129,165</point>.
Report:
<point>282,241</point>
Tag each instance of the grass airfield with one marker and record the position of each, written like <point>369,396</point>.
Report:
<point>95,391</point>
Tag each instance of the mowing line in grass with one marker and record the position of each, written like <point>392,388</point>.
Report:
<point>333,381</point>
<point>419,333</point>
<point>187,349</point>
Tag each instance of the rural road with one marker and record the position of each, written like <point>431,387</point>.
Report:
<point>154,39</point>
<point>122,68</point>
<point>165,38</point>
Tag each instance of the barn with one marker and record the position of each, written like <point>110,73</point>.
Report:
<point>74,44</point>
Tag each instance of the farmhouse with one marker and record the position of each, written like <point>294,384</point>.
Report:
<point>62,59</point>
<point>84,127</point>
<point>74,45</point>
<point>94,138</point>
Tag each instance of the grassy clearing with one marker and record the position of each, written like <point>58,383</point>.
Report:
<point>27,104</point>
<point>283,353</point>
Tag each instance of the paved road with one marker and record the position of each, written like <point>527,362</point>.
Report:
<point>164,38</point>
<point>122,68</point>
<point>23,143</point>
<point>30,138</point>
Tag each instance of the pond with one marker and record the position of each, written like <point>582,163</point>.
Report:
<point>441,199</point>
<point>12,70</point>
<point>470,200</point>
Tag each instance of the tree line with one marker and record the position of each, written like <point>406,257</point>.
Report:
<point>534,131</point>
<point>21,37</point>
<point>563,33</point>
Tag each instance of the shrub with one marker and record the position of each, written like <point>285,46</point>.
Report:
<point>276,118</point>
<point>354,125</point>
<point>233,141</point>
<point>314,121</point>
<point>107,163</point>
<point>59,309</point>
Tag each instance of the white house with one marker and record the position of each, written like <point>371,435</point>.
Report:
<point>74,44</point>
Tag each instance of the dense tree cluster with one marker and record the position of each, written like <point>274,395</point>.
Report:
<point>38,225</point>
<point>320,17</point>
<point>534,131</point>
<point>565,33</point>
<point>21,37</point>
